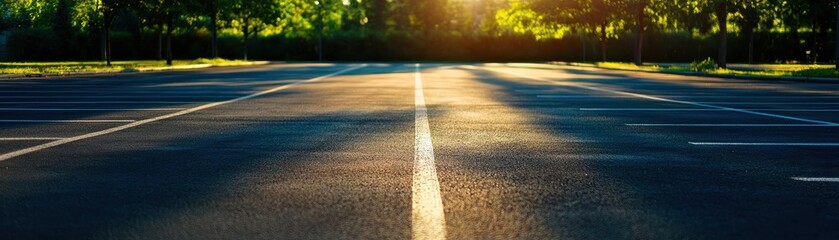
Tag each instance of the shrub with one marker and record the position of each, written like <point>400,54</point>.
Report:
<point>703,66</point>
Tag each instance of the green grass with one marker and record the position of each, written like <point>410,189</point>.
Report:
<point>100,66</point>
<point>768,70</point>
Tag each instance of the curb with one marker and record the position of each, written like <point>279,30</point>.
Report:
<point>698,74</point>
<point>124,72</point>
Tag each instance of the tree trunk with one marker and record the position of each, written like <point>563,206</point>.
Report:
<point>214,33</point>
<point>170,22</point>
<point>160,41</point>
<point>722,22</point>
<point>320,32</point>
<point>814,41</point>
<point>751,46</point>
<point>639,34</point>
<point>823,40</point>
<point>245,40</point>
<point>796,43</point>
<point>107,47</point>
<point>603,41</point>
<point>583,39</point>
<point>102,43</point>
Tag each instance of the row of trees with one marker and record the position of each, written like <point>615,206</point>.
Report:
<point>249,16</point>
<point>63,17</point>
<point>807,22</point>
<point>608,18</point>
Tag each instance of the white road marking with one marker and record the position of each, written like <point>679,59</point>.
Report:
<point>575,96</point>
<point>31,139</point>
<point>774,103</point>
<point>17,153</point>
<point>91,109</point>
<point>638,95</point>
<point>706,109</point>
<point>117,97</point>
<point>724,125</point>
<point>816,179</point>
<point>813,144</point>
<point>63,121</point>
<point>104,102</point>
<point>683,96</point>
<point>184,91</point>
<point>427,216</point>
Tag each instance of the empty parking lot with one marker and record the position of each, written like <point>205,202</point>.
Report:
<point>432,150</point>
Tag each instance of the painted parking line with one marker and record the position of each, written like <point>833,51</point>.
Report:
<point>650,97</point>
<point>816,179</point>
<point>704,109</point>
<point>724,125</point>
<point>427,216</point>
<point>685,96</point>
<point>90,109</point>
<point>64,121</point>
<point>10,155</point>
<point>185,91</point>
<point>116,96</point>
<point>811,144</point>
<point>102,102</point>
<point>30,139</point>
<point>772,103</point>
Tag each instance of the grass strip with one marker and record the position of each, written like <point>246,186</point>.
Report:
<point>27,68</point>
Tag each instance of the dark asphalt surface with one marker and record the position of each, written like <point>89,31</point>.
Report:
<point>522,151</point>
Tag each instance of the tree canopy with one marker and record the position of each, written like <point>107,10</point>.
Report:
<point>608,22</point>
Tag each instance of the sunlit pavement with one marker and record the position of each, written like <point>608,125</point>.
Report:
<point>399,151</point>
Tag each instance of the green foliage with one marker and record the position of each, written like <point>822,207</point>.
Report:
<point>118,66</point>
<point>704,65</point>
<point>781,30</point>
<point>817,72</point>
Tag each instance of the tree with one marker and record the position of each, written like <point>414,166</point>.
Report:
<point>750,16</point>
<point>213,9</point>
<point>62,26</point>
<point>605,15</point>
<point>109,10</point>
<point>251,17</point>
<point>644,14</point>
<point>640,8</point>
<point>721,12</point>
<point>699,15</point>
<point>153,13</point>
<point>553,19</point>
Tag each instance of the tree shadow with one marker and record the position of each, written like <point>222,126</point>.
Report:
<point>599,179</point>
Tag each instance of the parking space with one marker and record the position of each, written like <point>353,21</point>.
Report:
<point>779,121</point>
<point>34,112</point>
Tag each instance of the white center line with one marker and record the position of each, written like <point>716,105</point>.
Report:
<point>427,216</point>
<point>30,139</point>
<point>64,121</point>
<point>814,144</point>
<point>816,179</point>
<point>91,109</point>
<point>17,153</point>
<point>638,95</point>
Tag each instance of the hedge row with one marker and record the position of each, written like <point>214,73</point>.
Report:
<point>43,44</point>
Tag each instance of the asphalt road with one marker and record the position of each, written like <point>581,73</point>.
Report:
<point>397,151</point>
